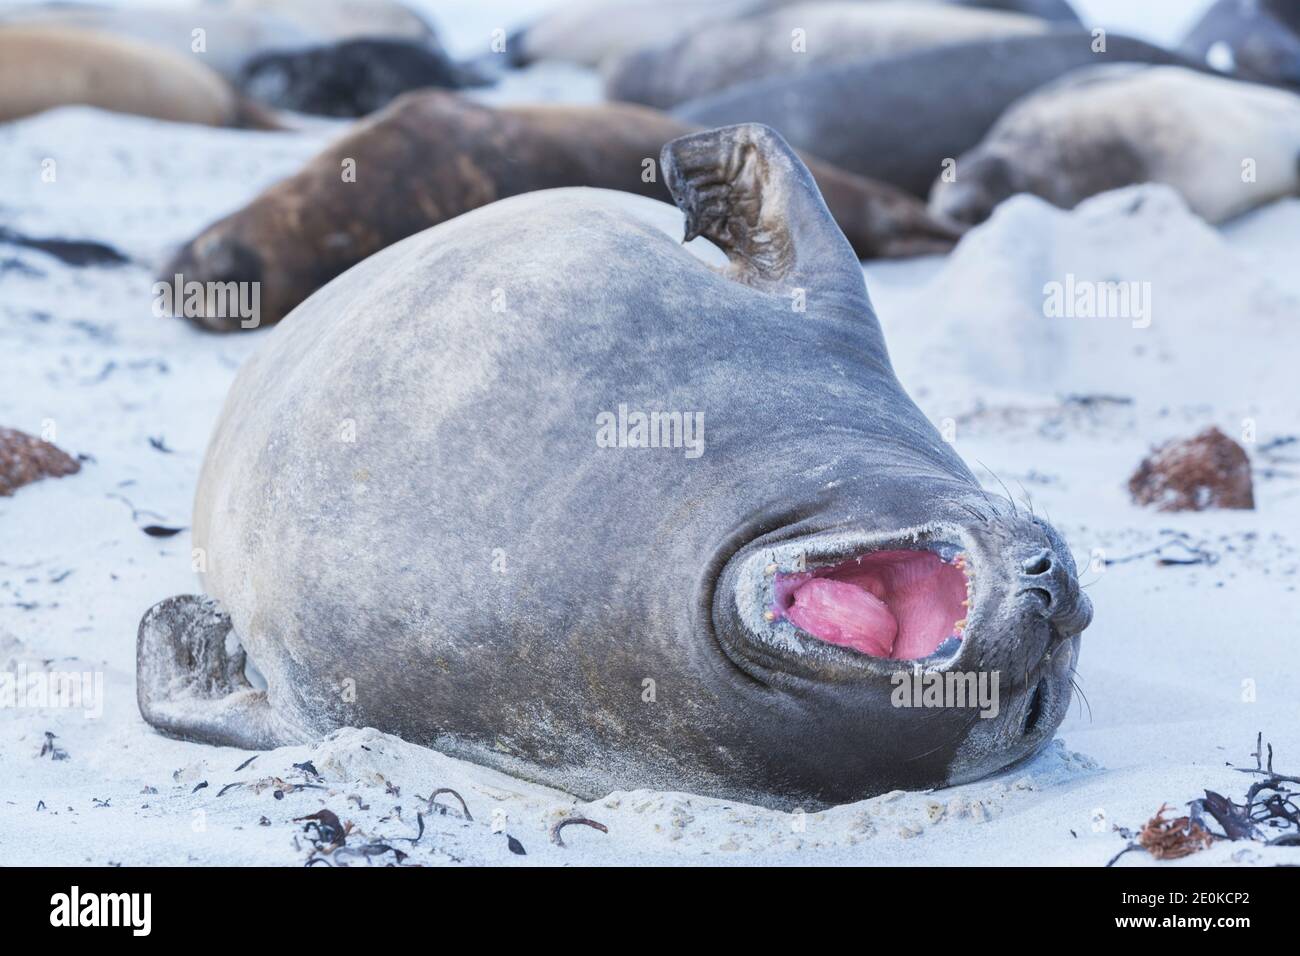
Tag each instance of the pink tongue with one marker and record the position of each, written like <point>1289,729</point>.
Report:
<point>844,614</point>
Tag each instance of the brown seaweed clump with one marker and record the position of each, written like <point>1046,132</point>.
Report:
<point>1172,839</point>
<point>1194,474</point>
<point>24,459</point>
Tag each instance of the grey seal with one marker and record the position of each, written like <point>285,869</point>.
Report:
<point>1254,39</point>
<point>897,119</point>
<point>432,505</point>
<point>797,39</point>
<point>1227,146</point>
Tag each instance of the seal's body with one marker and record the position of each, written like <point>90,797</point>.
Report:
<point>431,156</point>
<point>431,506</point>
<point>45,67</point>
<point>588,32</point>
<point>349,79</point>
<point>1255,39</point>
<point>219,39</point>
<point>225,36</point>
<point>797,39</point>
<point>1057,11</point>
<point>911,113</point>
<point>1225,145</point>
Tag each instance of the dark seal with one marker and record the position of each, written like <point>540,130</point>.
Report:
<point>544,490</point>
<point>912,112</point>
<point>351,79</point>
<point>1254,39</point>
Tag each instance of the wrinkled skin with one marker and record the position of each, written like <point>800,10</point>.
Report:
<point>493,583</point>
<point>431,156</point>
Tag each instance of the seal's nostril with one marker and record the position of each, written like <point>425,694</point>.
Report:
<point>1040,563</point>
<point>1044,595</point>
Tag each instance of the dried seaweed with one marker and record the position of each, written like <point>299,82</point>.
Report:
<point>574,821</point>
<point>50,747</point>
<point>1271,804</point>
<point>442,809</point>
<point>1172,839</point>
<point>1268,814</point>
<point>160,531</point>
<point>330,831</point>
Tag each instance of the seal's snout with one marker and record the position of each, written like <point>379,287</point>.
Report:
<point>1052,584</point>
<point>982,182</point>
<point>219,280</point>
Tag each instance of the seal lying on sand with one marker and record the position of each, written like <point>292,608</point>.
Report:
<point>897,119</point>
<point>795,40</point>
<point>1058,11</point>
<point>45,67</point>
<point>588,32</point>
<point>225,36</point>
<point>354,78</point>
<point>1255,39</point>
<point>540,488</point>
<point>228,38</point>
<point>1111,126</point>
<point>432,156</point>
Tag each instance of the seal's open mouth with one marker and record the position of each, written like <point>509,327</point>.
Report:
<point>902,605</point>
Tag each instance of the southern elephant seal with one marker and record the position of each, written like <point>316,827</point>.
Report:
<point>1058,11</point>
<point>225,36</point>
<point>352,78</point>
<point>432,156</point>
<point>543,489</point>
<point>898,119</point>
<point>588,32</point>
<point>797,39</point>
<point>1225,145</point>
<point>45,67</point>
<point>341,19</point>
<point>1254,39</point>
<point>222,40</point>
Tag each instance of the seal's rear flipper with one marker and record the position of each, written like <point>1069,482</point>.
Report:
<point>190,686</point>
<point>746,191</point>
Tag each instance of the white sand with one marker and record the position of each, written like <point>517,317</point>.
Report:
<point>1163,665</point>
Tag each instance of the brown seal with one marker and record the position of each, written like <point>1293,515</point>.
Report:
<point>432,156</point>
<point>43,67</point>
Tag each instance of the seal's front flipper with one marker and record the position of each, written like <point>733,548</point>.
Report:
<point>190,686</point>
<point>746,191</point>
